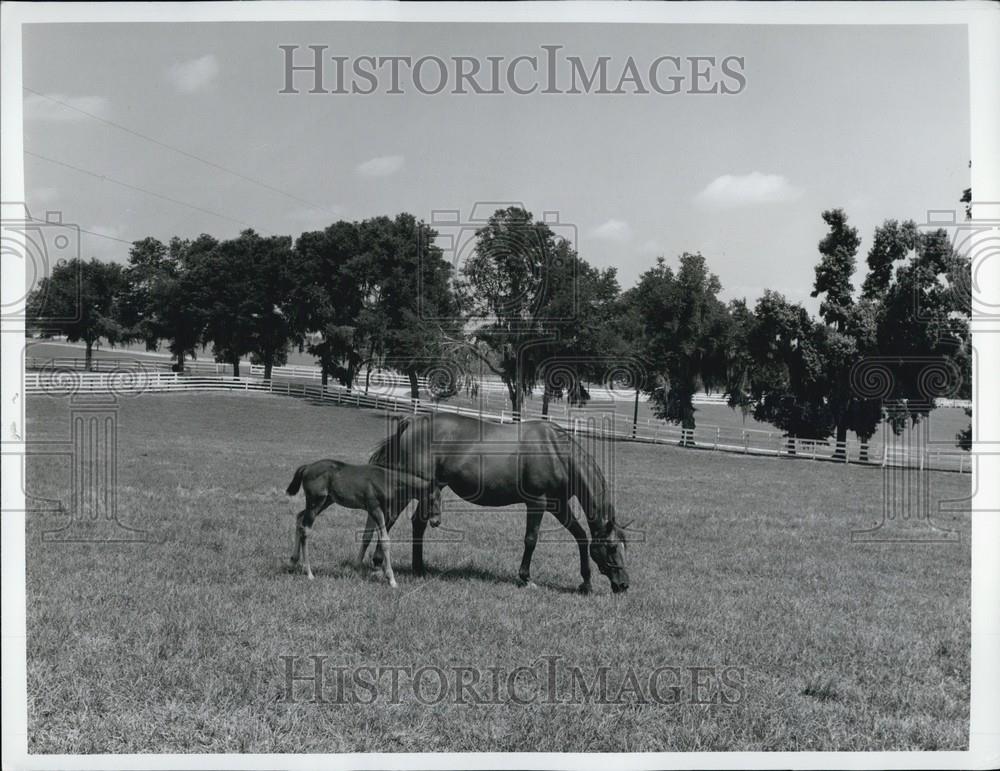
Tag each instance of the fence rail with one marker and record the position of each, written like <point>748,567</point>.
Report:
<point>608,425</point>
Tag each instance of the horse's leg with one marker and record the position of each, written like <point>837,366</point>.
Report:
<point>303,526</point>
<point>419,526</point>
<point>375,513</point>
<point>365,540</point>
<point>532,523</point>
<point>565,516</point>
<point>394,510</point>
<point>297,551</point>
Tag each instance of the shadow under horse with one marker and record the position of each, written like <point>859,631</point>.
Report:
<point>489,464</point>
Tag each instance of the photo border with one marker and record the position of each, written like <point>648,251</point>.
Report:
<point>983,23</point>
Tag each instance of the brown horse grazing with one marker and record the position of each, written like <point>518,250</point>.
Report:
<point>532,462</point>
<point>376,490</point>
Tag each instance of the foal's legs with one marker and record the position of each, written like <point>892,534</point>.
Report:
<point>303,524</point>
<point>562,512</point>
<point>375,515</point>
<point>532,523</point>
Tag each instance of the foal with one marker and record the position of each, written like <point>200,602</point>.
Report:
<point>379,491</point>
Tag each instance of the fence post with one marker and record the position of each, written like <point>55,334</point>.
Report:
<point>718,436</point>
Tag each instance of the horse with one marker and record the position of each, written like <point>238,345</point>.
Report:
<point>533,462</point>
<point>377,490</point>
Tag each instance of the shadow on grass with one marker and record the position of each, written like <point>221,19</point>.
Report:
<point>347,568</point>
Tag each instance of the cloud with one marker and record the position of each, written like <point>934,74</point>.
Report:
<point>195,75</point>
<point>730,191</point>
<point>613,230</point>
<point>46,108</point>
<point>383,166</point>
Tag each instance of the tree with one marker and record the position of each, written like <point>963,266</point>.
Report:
<point>265,277</point>
<point>580,310</point>
<point>504,287</point>
<point>782,376</point>
<point>81,300</point>
<point>963,438</point>
<point>418,308</point>
<point>836,266</point>
<point>164,298</point>
<point>330,299</point>
<point>847,330</point>
<point>685,328</point>
<point>920,320</point>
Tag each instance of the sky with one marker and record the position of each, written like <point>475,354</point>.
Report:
<point>870,119</point>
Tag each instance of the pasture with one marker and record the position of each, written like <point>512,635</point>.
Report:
<point>176,644</point>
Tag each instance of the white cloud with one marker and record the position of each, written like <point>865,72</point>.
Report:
<point>650,247</point>
<point>613,230</point>
<point>383,166</point>
<point>193,75</point>
<point>730,191</point>
<point>46,109</point>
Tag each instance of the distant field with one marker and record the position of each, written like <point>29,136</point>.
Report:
<point>742,562</point>
<point>942,426</point>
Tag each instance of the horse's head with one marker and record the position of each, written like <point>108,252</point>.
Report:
<point>609,553</point>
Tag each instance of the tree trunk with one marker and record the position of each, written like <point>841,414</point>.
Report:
<point>88,361</point>
<point>268,364</point>
<point>368,377</point>
<point>414,383</point>
<point>236,366</point>
<point>180,362</point>
<point>687,423</point>
<point>515,401</point>
<point>635,413</point>
<point>324,372</point>
<point>545,401</point>
<point>840,452</point>
<point>863,454</point>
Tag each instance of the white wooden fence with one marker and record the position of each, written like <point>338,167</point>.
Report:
<point>608,425</point>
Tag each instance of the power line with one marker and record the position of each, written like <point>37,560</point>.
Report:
<point>105,178</point>
<point>103,235</point>
<point>185,153</point>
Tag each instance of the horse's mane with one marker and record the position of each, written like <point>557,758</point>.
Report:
<point>386,452</point>
<point>587,473</point>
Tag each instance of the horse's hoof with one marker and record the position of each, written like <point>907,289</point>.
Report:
<point>526,583</point>
<point>585,588</point>
<point>393,585</point>
<point>434,521</point>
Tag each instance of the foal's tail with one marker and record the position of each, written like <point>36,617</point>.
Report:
<point>297,480</point>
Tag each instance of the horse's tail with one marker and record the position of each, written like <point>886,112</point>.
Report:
<point>297,480</point>
<point>386,453</point>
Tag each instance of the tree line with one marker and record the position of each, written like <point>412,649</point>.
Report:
<point>526,308</point>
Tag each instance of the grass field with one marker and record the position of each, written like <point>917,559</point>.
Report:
<point>738,564</point>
